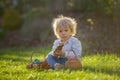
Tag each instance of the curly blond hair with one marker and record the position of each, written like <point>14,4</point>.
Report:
<point>64,22</point>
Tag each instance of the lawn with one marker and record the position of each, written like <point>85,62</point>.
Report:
<point>95,66</point>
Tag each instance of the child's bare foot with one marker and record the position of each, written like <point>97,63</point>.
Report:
<point>58,66</point>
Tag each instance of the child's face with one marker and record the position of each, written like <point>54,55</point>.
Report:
<point>64,33</point>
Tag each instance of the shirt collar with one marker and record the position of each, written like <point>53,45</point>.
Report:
<point>67,40</point>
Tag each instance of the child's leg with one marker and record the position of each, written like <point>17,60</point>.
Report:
<point>51,61</point>
<point>61,63</point>
<point>62,60</point>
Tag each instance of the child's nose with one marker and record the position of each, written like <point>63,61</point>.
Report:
<point>63,33</point>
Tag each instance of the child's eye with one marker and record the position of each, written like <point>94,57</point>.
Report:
<point>60,31</point>
<point>66,30</point>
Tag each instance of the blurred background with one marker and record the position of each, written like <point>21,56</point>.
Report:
<point>27,23</point>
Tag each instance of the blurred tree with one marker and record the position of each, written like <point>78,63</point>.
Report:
<point>11,20</point>
<point>1,9</point>
<point>116,20</point>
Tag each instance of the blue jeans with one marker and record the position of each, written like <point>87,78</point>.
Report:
<point>53,60</point>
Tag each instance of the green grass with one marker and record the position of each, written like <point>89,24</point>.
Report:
<point>95,67</point>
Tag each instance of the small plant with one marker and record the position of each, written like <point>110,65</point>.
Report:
<point>2,33</point>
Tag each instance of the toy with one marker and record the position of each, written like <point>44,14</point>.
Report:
<point>58,50</point>
<point>38,64</point>
<point>44,65</point>
<point>73,62</point>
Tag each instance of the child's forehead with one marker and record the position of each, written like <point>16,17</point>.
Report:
<point>63,27</point>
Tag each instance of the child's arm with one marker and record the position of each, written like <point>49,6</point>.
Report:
<point>75,47</point>
<point>57,48</point>
<point>58,51</point>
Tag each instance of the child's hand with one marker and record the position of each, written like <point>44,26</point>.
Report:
<point>58,51</point>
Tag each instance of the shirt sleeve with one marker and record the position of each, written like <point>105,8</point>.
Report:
<point>55,44</point>
<point>75,48</point>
